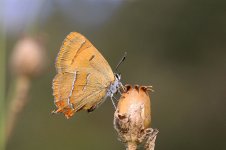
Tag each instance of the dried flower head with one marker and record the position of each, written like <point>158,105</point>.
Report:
<point>28,57</point>
<point>132,117</point>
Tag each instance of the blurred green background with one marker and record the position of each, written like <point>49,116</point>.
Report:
<point>177,46</point>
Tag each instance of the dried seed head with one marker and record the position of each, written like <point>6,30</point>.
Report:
<point>28,57</point>
<point>132,117</point>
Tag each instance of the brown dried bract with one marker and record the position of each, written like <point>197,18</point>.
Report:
<point>132,117</point>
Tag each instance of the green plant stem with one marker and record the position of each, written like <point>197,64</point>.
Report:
<point>17,103</point>
<point>2,88</point>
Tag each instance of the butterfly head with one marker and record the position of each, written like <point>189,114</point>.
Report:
<point>117,76</point>
<point>115,85</point>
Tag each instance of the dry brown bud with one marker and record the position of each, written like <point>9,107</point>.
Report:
<point>132,117</point>
<point>28,57</point>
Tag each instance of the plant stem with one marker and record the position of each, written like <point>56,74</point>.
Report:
<point>17,103</point>
<point>2,88</point>
<point>131,146</point>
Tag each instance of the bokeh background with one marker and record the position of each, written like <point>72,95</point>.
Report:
<point>177,46</point>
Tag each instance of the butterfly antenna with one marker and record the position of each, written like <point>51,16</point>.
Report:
<point>121,61</point>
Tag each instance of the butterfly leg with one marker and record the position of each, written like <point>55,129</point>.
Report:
<point>113,101</point>
<point>115,98</point>
<point>123,88</point>
<point>119,92</point>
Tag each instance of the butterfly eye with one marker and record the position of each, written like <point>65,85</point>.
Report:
<point>118,76</point>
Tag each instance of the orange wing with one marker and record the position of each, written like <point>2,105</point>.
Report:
<point>77,52</point>
<point>83,76</point>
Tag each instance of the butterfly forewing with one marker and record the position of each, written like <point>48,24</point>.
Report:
<point>78,52</point>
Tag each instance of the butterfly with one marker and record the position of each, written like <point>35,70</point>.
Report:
<point>84,78</point>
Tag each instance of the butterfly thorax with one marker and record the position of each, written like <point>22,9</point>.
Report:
<point>114,86</point>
